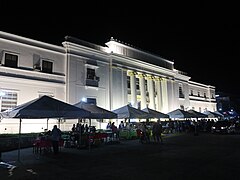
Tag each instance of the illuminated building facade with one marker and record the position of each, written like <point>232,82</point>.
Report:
<point>110,76</point>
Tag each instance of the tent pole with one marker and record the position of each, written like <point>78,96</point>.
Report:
<point>47,123</point>
<point>19,139</point>
<point>80,134</point>
<point>59,122</point>
<point>89,134</point>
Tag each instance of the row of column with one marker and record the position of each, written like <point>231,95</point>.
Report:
<point>158,102</point>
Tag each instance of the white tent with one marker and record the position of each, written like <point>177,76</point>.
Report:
<point>180,114</point>
<point>155,114</point>
<point>129,112</point>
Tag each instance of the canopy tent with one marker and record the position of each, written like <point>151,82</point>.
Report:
<point>230,114</point>
<point>197,114</point>
<point>155,114</point>
<point>44,107</point>
<point>180,114</point>
<point>96,111</point>
<point>220,114</point>
<point>129,112</point>
<point>211,114</point>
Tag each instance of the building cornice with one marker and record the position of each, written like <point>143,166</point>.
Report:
<point>79,50</point>
<point>118,43</point>
<point>191,83</point>
<point>30,42</point>
<point>140,66</point>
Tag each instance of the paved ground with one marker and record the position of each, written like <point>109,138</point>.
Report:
<point>182,156</point>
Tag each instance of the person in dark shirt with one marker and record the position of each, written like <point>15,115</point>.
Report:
<point>55,137</point>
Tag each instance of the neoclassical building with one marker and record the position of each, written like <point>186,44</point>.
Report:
<point>110,76</point>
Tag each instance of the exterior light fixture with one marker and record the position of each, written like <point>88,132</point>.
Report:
<point>84,99</point>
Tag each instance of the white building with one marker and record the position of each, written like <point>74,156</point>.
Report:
<point>110,76</point>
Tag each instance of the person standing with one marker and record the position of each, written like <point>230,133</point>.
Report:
<point>157,132</point>
<point>55,137</point>
<point>121,125</point>
<point>115,133</point>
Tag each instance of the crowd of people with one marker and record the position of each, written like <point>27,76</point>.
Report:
<point>150,131</point>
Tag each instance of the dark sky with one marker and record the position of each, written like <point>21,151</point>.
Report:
<point>202,39</point>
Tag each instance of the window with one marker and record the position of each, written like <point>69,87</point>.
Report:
<point>92,101</point>
<point>139,104</point>
<point>91,78</point>
<point>181,95</point>
<point>8,100</point>
<point>198,94</point>
<point>204,95</point>
<point>154,88</point>
<point>128,82</point>
<point>191,93</point>
<point>47,66</point>
<point>146,86</point>
<point>180,90</point>
<point>137,84</point>
<point>90,73</point>
<point>182,107</point>
<point>11,60</point>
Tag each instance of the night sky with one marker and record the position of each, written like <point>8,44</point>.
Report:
<point>203,41</point>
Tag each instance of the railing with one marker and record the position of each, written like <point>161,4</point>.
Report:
<point>91,82</point>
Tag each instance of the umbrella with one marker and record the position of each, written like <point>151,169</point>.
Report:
<point>44,107</point>
<point>155,114</point>
<point>129,112</point>
<point>179,113</point>
<point>96,111</point>
<point>197,114</point>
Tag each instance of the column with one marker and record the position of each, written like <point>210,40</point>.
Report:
<point>159,94</point>
<point>151,92</point>
<point>164,95</point>
<point>142,90</point>
<point>133,88</point>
